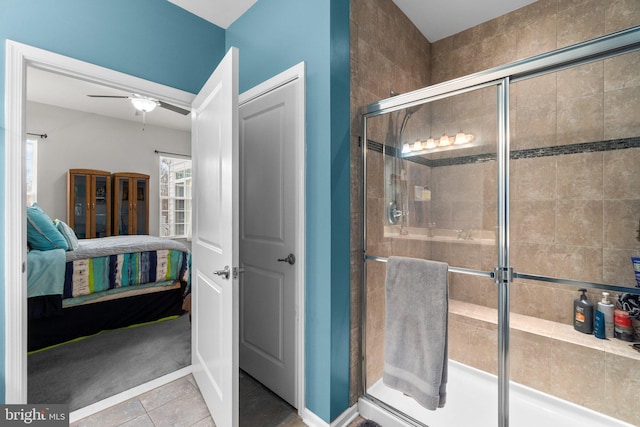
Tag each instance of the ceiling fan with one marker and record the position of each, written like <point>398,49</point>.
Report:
<point>145,104</point>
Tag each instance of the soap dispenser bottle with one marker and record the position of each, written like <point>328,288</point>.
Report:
<point>606,308</point>
<point>583,313</point>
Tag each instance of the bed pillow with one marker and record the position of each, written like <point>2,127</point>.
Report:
<point>68,234</point>
<point>41,232</point>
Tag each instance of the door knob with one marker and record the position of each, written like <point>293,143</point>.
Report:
<point>223,273</point>
<point>291,259</point>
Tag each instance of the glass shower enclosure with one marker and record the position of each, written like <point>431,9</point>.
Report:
<point>524,180</point>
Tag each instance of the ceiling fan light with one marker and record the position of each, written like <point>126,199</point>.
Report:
<point>144,104</point>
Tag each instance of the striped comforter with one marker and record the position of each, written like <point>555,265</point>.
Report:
<point>97,274</point>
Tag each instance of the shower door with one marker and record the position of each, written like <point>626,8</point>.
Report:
<point>431,193</point>
<point>540,201</point>
<point>575,208</point>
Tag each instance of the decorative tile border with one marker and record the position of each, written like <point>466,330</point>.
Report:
<point>586,147</point>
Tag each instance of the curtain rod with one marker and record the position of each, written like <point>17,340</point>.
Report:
<point>40,135</point>
<point>173,154</point>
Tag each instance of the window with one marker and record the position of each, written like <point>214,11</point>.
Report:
<point>175,197</point>
<point>32,170</point>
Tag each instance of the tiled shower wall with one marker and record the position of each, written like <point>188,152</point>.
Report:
<point>573,214</point>
<point>387,54</point>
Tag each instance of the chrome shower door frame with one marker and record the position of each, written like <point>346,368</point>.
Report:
<point>593,50</point>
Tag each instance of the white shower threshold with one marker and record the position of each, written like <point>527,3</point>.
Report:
<point>472,400</point>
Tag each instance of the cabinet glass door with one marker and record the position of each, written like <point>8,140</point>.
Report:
<point>124,206</point>
<point>101,207</point>
<point>80,206</point>
<point>141,206</point>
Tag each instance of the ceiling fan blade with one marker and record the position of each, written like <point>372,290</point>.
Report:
<point>108,96</point>
<point>174,108</point>
<point>161,103</point>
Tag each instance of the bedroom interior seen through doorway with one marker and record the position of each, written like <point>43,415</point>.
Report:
<point>82,136</point>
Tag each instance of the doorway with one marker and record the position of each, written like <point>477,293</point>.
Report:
<point>20,56</point>
<point>271,138</point>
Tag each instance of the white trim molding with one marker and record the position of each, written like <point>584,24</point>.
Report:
<point>15,228</point>
<point>17,57</point>
<point>343,420</point>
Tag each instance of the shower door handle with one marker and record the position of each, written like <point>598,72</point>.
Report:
<point>291,259</point>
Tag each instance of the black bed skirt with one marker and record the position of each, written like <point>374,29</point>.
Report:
<point>89,319</point>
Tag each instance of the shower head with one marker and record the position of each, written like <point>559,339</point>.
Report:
<point>411,110</point>
<point>408,112</point>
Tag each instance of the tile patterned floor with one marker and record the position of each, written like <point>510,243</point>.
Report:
<point>177,404</point>
<point>180,404</point>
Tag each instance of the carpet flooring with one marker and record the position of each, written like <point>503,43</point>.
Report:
<point>84,372</point>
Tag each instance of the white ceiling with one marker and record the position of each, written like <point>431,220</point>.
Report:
<point>220,12</point>
<point>436,19</point>
<point>55,89</point>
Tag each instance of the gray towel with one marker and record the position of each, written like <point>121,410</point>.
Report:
<point>415,344</point>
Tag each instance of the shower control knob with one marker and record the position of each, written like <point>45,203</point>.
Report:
<point>291,259</point>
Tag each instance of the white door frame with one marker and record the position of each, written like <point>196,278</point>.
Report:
<point>297,72</point>
<point>18,56</point>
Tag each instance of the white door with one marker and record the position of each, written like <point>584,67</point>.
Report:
<point>215,241</point>
<point>268,132</point>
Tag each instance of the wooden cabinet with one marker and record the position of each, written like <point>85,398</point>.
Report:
<point>130,203</point>
<point>89,202</point>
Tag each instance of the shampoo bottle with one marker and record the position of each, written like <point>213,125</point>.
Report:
<point>606,308</point>
<point>583,313</point>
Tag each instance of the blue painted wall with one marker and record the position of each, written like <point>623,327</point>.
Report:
<point>152,39</point>
<point>158,41</point>
<point>272,36</point>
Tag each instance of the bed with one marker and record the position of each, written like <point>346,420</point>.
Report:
<point>104,283</point>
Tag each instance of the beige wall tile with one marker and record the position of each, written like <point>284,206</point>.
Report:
<point>483,346</point>
<point>535,127</point>
<point>622,174</point>
<point>579,263</point>
<point>621,388</point>
<point>537,92</point>
<point>622,108</point>
<point>570,365</point>
<point>621,222</point>
<point>536,179</point>
<point>584,80</point>
<point>534,258</point>
<point>622,71</point>
<point>534,221</point>
<point>580,119</point>
<point>617,267</point>
<point>537,30</point>
<point>375,175</point>
<point>580,21</point>
<point>376,211</point>
<point>621,14</point>
<point>458,345</point>
<point>579,222</point>
<point>530,357</point>
<point>580,176</point>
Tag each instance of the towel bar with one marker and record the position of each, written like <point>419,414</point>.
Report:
<point>601,286</point>
<point>451,269</point>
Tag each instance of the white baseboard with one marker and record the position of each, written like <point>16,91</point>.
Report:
<point>127,394</point>
<point>312,420</point>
